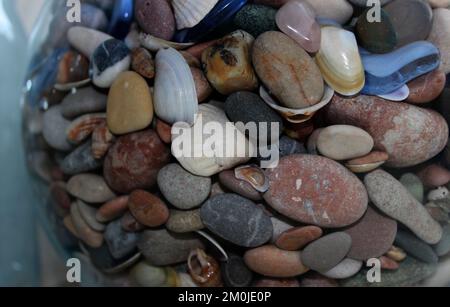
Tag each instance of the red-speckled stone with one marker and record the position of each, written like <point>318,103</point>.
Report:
<point>298,237</point>
<point>427,87</point>
<point>372,236</point>
<point>316,190</point>
<point>112,209</point>
<point>155,17</point>
<point>164,131</point>
<point>434,176</point>
<point>134,161</point>
<point>148,209</point>
<point>409,134</point>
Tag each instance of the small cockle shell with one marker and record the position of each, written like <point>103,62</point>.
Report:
<point>297,116</point>
<point>367,163</point>
<point>204,270</point>
<point>253,175</point>
<point>102,140</point>
<point>340,62</point>
<point>189,13</point>
<point>175,96</point>
<point>154,44</point>
<point>83,126</point>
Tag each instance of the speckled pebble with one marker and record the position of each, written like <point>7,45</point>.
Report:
<point>90,188</point>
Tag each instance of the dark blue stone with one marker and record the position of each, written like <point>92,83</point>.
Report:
<point>386,73</point>
<point>80,161</point>
<point>121,18</point>
<point>222,13</point>
<point>108,54</point>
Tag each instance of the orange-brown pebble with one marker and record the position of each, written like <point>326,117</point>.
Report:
<point>148,209</point>
<point>434,176</point>
<point>202,86</point>
<point>388,264</point>
<point>197,50</point>
<point>164,131</point>
<point>112,209</point>
<point>298,237</point>
<point>396,254</point>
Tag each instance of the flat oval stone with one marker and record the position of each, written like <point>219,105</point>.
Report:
<point>86,40</point>
<point>271,261</point>
<point>161,247</point>
<point>229,181</point>
<point>410,135</point>
<point>256,19</point>
<point>182,189</point>
<point>164,131</point>
<point>130,224</point>
<point>327,252</point>
<point>441,20</point>
<point>80,161</point>
<point>54,129</point>
<point>142,62</point>
<point>301,85</point>
<point>148,209</point>
<point>367,163</point>
<point>415,247</point>
<point>120,243</point>
<point>90,188</point>
<point>388,72</point>
<point>434,176</point>
<point>393,199</point>
<point>339,11</point>
<point>146,275</point>
<point>84,101</point>
<point>280,225</point>
<point>88,213</point>
<point>316,190</point>
<point>89,236</point>
<point>155,17</point>
<point>237,219</point>
<point>113,209</point>
<point>343,142</point>
<point>297,19</point>
<point>297,238</point>
<point>235,273</point>
<point>372,236</point>
<point>130,104</point>
<point>202,85</point>
<point>427,87</point>
<point>134,161</point>
<point>184,221</point>
<point>345,269</point>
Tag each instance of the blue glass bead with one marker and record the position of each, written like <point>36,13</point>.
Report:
<point>121,18</point>
<point>224,11</point>
<point>386,73</point>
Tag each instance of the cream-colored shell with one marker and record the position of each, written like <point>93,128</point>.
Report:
<point>189,13</point>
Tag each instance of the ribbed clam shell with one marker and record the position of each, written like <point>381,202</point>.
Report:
<point>189,13</point>
<point>175,96</point>
<point>340,62</point>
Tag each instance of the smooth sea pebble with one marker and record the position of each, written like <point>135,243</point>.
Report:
<point>313,190</point>
<point>184,221</point>
<point>113,209</point>
<point>297,238</point>
<point>343,142</point>
<point>325,253</point>
<point>440,37</point>
<point>130,224</point>
<point>414,185</point>
<point>236,219</point>
<point>191,60</point>
<point>339,11</point>
<point>312,142</point>
<point>289,146</point>
<point>410,135</point>
<point>235,273</point>
<point>439,3</point>
<point>146,275</point>
<point>202,86</point>
<point>60,196</point>
<point>148,209</point>
<point>372,236</point>
<point>415,247</point>
<point>345,269</point>
<point>90,188</point>
<point>388,264</point>
<point>70,226</point>
<point>434,176</point>
<point>164,131</point>
<point>396,254</point>
<point>133,162</point>
<point>120,243</point>
<point>80,161</point>
<point>85,232</point>
<point>83,101</point>
<point>102,259</point>
<point>155,17</point>
<point>162,247</point>
<point>88,213</point>
<point>367,163</point>
<point>229,181</point>
<point>256,19</point>
<point>280,225</point>
<point>393,199</point>
<point>443,247</point>
<point>271,261</point>
<point>142,63</point>
<point>276,283</point>
<point>73,67</point>
<point>130,104</point>
<point>54,129</point>
<point>86,40</point>
<point>437,213</point>
<point>316,280</point>
<point>301,85</point>
<point>426,88</point>
<point>410,273</point>
<point>181,188</point>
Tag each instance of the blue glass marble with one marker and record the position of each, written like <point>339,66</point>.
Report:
<point>224,11</point>
<point>121,18</point>
<point>386,73</point>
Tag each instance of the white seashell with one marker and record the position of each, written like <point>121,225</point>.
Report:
<point>438,194</point>
<point>175,96</point>
<point>86,40</point>
<point>189,13</point>
<point>398,95</point>
<point>203,160</point>
<point>215,243</point>
<point>154,44</point>
<point>297,116</point>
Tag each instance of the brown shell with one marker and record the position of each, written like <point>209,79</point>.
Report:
<point>83,126</point>
<point>204,270</point>
<point>102,140</point>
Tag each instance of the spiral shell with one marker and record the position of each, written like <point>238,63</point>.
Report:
<point>204,270</point>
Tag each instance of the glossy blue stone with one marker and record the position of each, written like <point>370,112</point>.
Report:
<point>121,18</point>
<point>386,73</point>
<point>223,12</point>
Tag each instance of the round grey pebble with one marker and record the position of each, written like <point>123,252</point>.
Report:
<point>415,247</point>
<point>80,161</point>
<point>83,101</point>
<point>237,220</point>
<point>120,243</point>
<point>90,188</point>
<point>235,273</point>
<point>54,127</point>
<point>182,189</point>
